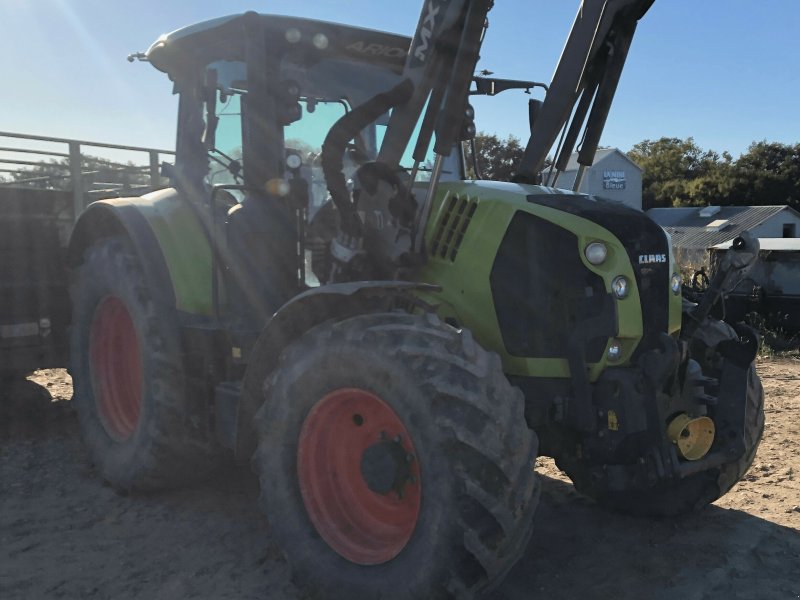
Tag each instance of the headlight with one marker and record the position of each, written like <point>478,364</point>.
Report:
<point>596,253</point>
<point>620,287</point>
<point>614,351</point>
<point>676,283</point>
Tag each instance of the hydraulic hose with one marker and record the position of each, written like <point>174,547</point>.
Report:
<point>336,142</point>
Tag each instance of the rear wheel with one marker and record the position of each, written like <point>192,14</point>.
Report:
<point>395,461</point>
<point>140,427</point>
<point>115,358</point>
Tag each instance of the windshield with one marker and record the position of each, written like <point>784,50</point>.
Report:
<point>307,135</point>
<point>328,89</point>
<point>332,87</point>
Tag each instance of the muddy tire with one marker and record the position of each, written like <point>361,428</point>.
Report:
<point>141,430</point>
<point>694,492</point>
<point>395,461</point>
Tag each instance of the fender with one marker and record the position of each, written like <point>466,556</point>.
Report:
<point>169,239</point>
<point>302,313</point>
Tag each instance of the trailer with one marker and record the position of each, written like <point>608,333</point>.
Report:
<point>45,184</point>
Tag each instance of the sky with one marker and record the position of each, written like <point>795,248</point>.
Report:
<point>726,72</point>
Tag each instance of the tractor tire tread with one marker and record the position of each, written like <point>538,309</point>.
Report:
<point>480,419</point>
<point>171,450</point>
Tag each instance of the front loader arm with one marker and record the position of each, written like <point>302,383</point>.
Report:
<point>439,69</point>
<point>587,73</point>
<point>440,64</point>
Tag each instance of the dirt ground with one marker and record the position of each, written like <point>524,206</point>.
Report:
<point>63,534</point>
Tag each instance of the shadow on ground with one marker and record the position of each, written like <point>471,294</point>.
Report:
<point>27,410</point>
<point>581,551</point>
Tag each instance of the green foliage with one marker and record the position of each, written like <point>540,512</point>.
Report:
<point>675,171</point>
<point>497,158</point>
<point>680,173</point>
<point>770,170</point>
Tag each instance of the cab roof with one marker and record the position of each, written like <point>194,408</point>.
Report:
<point>224,39</point>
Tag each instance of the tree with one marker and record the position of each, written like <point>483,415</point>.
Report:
<point>677,172</point>
<point>498,158</point>
<point>768,173</point>
<point>680,173</point>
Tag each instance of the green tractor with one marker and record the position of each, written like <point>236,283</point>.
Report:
<point>325,292</point>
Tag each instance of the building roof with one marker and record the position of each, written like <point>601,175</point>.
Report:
<point>602,154</point>
<point>769,245</point>
<point>702,228</point>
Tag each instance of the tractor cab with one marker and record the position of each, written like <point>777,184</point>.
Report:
<point>259,95</point>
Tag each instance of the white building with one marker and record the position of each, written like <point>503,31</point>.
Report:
<point>695,228</point>
<point>613,176</point>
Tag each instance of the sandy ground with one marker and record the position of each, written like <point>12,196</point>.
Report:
<point>63,534</point>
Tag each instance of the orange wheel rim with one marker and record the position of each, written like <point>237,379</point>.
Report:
<point>116,368</point>
<point>359,476</point>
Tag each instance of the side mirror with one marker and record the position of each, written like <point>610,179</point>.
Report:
<point>534,109</point>
<point>288,102</point>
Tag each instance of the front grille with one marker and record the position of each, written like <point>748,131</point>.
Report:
<point>543,293</point>
<point>640,236</point>
<point>451,228</point>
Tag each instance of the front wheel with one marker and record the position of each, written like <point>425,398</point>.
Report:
<point>676,497</point>
<point>395,461</point>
